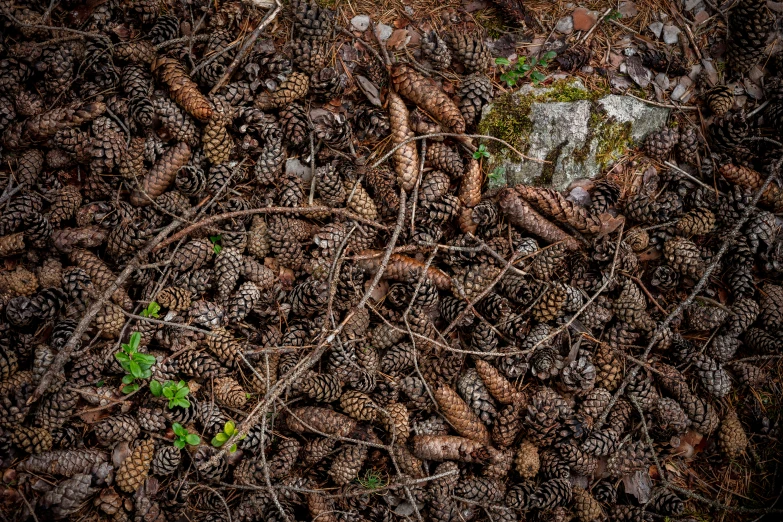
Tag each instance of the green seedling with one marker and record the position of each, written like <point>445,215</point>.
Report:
<point>183,437</point>
<point>215,243</point>
<point>229,429</point>
<point>497,174</point>
<point>175,392</point>
<point>524,67</point>
<point>371,480</point>
<point>614,15</point>
<point>151,311</point>
<point>136,364</point>
<point>482,152</point>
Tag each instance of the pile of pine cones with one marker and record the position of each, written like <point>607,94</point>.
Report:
<point>195,324</point>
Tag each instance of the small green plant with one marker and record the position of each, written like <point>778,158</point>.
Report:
<point>229,429</point>
<point>497,174</point>
<point>216,243</point>
<point>183,437</point>
<point>482,152</point>
<point>175,392</point>
<point>151,311</point>
<point>136,364</point>
<point>372,480</point>
<point>614,15</point>
<point>525,67</point>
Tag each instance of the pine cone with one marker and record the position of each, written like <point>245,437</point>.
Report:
<point>32,440</point>
<point>749,25</point>
<point>660,144</point>
<point>134,469</point>
<point>731,436</point>
<point>166,461</point>
<point>719,99</point>
<point>574,58</point>
<point>684,257</point>
<point>470,50</point>
<point>474,94</point>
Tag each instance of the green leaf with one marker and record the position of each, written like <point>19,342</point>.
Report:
<point>533,62</point>
<point>537,76</point>
<point>216,239</point>
<point>502,61</point>
<point>135,369</point>
<point>178,429</point>
<point>524,68</point>
<point>179,443</point>
<point>193,439</point>
<point>183,392</point>
<point>222,437</point>
<point>549,56</point>
<point>135,340</point>
<point>233,448</point>
<point>230,427</point>
<point>145,358</point>
<point>130,388</point>
<point>122,357</point>
<point>99,384</point>
<point>152,310</point>
<point>216,442</point>
<point>127,379</point>
<point>217,248</point>
<point>521,60</point>
<point>168,393</point>
<point>156,388</point>
<point>146,373</point>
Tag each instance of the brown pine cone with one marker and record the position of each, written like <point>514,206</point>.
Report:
<point>459,414</point>
<point>659,144</point>
<point>290,90</point>
<point>217,142</point>
<point>228,392</point>
<point>719,99</point>
<point>428,96</point>
<point>182,89</point>
<point>731,437</point>
<point>32,440</point>
<point>470,50</point>
<point>697,222</point>
<point>684,257</point>
<point>134,469</point>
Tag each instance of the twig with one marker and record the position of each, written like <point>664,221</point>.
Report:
<point>663,105</point>
<point>266,20</point>
<point>9,193</point>
<point>600,19</point>
<point>267,210</point>
<point>695,180</point>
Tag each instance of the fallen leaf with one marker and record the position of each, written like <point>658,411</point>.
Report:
<point>369,89</point>
<point>398,38</point>
<point>609,224</point>
<point>638,72</point>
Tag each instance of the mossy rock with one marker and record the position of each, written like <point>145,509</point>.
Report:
<point>572,132</point>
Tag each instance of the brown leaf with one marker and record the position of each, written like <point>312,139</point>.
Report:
<point>397,39</point>
<point>609,223</point>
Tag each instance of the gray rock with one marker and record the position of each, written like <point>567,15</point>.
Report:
<point>565,25</point>
<point>691,4</point>
<point>656,28</point>
<point>576,138</point>
<point>383,32</point>
<point>670,33</point>
<point>360,22</point>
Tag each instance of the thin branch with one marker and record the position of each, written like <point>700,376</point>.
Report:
<point>265,21</point>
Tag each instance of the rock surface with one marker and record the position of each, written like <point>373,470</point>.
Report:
<point>571,139</point>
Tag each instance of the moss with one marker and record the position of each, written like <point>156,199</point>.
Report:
<point>548,172</point>
<point>490,21</point>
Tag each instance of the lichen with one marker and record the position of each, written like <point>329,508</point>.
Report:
<point>613,139</point>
